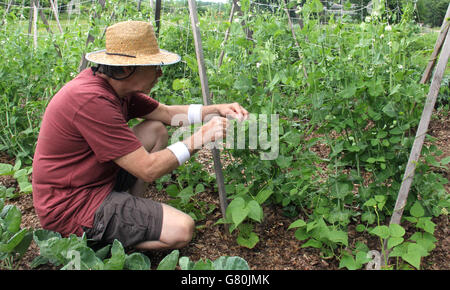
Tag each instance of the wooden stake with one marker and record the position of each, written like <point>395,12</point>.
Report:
<point>158,17</point>
<point>227,33</point>
<point>54,5</point>
<point>421,132</point>
<point>206,101</point>
<point>6,12</point>
<point>35,13</point>
<point>437,47</point>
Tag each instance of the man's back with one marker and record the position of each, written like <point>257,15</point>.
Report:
<point>83,129</point>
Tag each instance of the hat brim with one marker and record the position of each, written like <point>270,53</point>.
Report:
<point>164,57</point>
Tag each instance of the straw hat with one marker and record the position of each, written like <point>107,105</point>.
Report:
<point>132,43</point>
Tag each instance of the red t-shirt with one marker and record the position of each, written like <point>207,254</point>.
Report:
<point>83,130</point>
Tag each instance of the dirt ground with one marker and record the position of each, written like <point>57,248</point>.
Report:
<point>277,249</point>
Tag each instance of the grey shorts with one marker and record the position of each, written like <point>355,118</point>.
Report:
<point>127,218</point>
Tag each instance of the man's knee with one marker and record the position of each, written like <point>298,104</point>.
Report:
<point>185,231</point>
<point>152,134</point>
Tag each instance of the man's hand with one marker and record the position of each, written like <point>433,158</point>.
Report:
<point>233,111</point>
<point>213,130</point>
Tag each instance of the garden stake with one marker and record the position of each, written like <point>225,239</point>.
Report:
<point>437,48</point>
<point>420,135</point>
<point>206,101</point>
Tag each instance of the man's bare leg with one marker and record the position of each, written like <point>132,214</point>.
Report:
<point>154,137</point>
<point>178,227</point>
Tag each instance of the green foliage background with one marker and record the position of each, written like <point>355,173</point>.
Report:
<point>360,102</point>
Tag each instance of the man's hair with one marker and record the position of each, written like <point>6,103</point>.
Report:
<point>113,71</point>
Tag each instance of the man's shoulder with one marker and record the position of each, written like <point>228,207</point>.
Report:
<point>84,89</point>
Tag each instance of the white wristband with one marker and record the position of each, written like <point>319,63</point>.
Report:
<point>195,113</point>
<point>180,151</point>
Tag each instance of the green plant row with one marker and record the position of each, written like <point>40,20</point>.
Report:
<point>345,128</point>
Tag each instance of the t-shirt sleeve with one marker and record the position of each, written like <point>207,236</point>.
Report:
<point>141,105</point>
<point>103,126</point>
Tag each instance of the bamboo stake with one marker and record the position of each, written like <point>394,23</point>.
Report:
<point>35,13</point>
<point>6,12</point>
<point>421,132</point>
<point>206,101</point>
<point>44,20</point>
<point>158,17</point>
<point>420,136</point>
<point>227,33</point>
<point>422,128</point>
<point>437,47</point>
<point>30,18</point>
<point>54,5</point>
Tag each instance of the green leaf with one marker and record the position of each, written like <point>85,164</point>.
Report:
<point>360,228</point>
<point>389,110</point>
<point>255,211</point>
<point>371,202</point>
<point>13,241</point>
<point>179,84</point>
<point>347,261</point>
<point>203,265</point>
<point>445,161</point>
<point>417,210</point>
<point>103,252</point>
<point>172,190</point>
<point>312,243</point>
<point>13,219</point>
<point>284,161</point>
<point>338,237</point>
<point>381,231</point>
<point>6,169</point>
<point>199,188</point>
<point>39,260</point>
<point>348,92</point>
<point>426,224</point>
<point>396,230</point>
<point>249,242</point>
<point>413,255</point>
<point>368,217</point>
<point>425,240</point>
<point>230,263</point>
<point>117,260</point>
<point>185,263</point>
<point>89,259</point>
<point>170,261</point>
<point>263,195</point>
<point>297,224</point>
<point>394,241</point>
<point>137,261</point>
<point>24,244</point>
<point>237,210</point>
<point>185,194</point>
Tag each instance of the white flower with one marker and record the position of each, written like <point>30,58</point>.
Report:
<point>382,36</point>
<point>258,64</point>
<point>388,28</point>
<point>400,66</point>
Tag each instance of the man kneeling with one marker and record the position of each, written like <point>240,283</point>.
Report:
<point>90,169</point>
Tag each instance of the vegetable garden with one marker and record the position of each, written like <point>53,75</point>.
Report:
<point>346,89</point>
